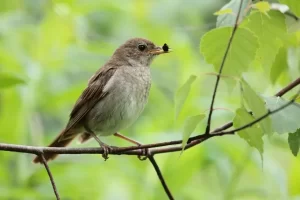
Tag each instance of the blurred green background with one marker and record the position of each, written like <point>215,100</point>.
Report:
<point>55,46</point>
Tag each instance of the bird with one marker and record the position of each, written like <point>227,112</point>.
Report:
<point>114,98</point>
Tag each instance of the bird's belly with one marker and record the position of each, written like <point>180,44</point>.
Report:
<point>119,109</point>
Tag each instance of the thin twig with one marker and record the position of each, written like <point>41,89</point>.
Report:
<point>160,176</point>
<point>156,168</point>
<point>50,175</point>
<point>270,112</point>
<point>221,69</point>
<point>280,93</point>
<point>220,132</point>
<point>288,88</point>
<point>222,128</point>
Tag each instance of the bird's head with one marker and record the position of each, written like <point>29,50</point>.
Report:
<point>139,51</point>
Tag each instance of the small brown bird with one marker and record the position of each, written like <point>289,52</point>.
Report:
<point>114,98</point>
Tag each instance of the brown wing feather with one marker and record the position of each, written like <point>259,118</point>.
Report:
<point>91,95</point>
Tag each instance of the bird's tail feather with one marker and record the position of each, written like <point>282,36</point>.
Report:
<point>62,140</point>
<point>84,137</point>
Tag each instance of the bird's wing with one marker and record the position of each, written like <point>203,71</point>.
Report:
<point>90,96</point>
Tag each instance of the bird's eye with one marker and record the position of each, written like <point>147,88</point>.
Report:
<point>142,47</point>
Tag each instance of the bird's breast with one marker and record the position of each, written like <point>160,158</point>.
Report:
<point>128,91</point>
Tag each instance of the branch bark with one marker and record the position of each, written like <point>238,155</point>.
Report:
<point>160,176</point>
<point>50,175</point>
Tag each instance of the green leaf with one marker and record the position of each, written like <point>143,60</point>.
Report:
<point>182,94</point>
<point>262,6</point>
<point>241,54</point>
<point>294,6</point>
<point>189,127</point>
<point>230,18</point>
<point>271,31</point>
<point>280,65</point>
<point>224,11</point>
<point>257,106</point>
<point>294,142</point>
<point>9,80</point>
<point>286,120</point>
<point>253,135</point>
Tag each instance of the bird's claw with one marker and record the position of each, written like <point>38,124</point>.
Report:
<point>106,150</point>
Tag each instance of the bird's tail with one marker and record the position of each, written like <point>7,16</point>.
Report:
<point>84,137</point>
<point>62,140</point>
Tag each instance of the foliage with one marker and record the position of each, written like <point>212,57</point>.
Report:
<point>286,120</point>
<point>182,94</point>
<point>8,80</point>
<point>49,49</point>
<point>271,30</point>
<point>189,127</point>
<point>294,142</point>
<point>252,135</point>
<point>243,47</point>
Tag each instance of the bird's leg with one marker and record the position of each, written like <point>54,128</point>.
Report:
<point>127,139</point>
<point>106,148</point>
<point>145,151</point>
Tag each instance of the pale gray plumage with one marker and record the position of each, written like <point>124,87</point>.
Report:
<point>115,96</point>
<point>127,96</point>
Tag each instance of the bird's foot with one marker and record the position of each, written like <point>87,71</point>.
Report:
<point>106,150</point>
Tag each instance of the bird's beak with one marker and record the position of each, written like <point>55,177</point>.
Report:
<point>159,50</point>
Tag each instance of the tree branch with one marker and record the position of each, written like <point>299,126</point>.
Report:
<point>50,175</point>
<point>288,88</point>
<point>270,112</point>
<point>160,176</point>
<point>221,69</point>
